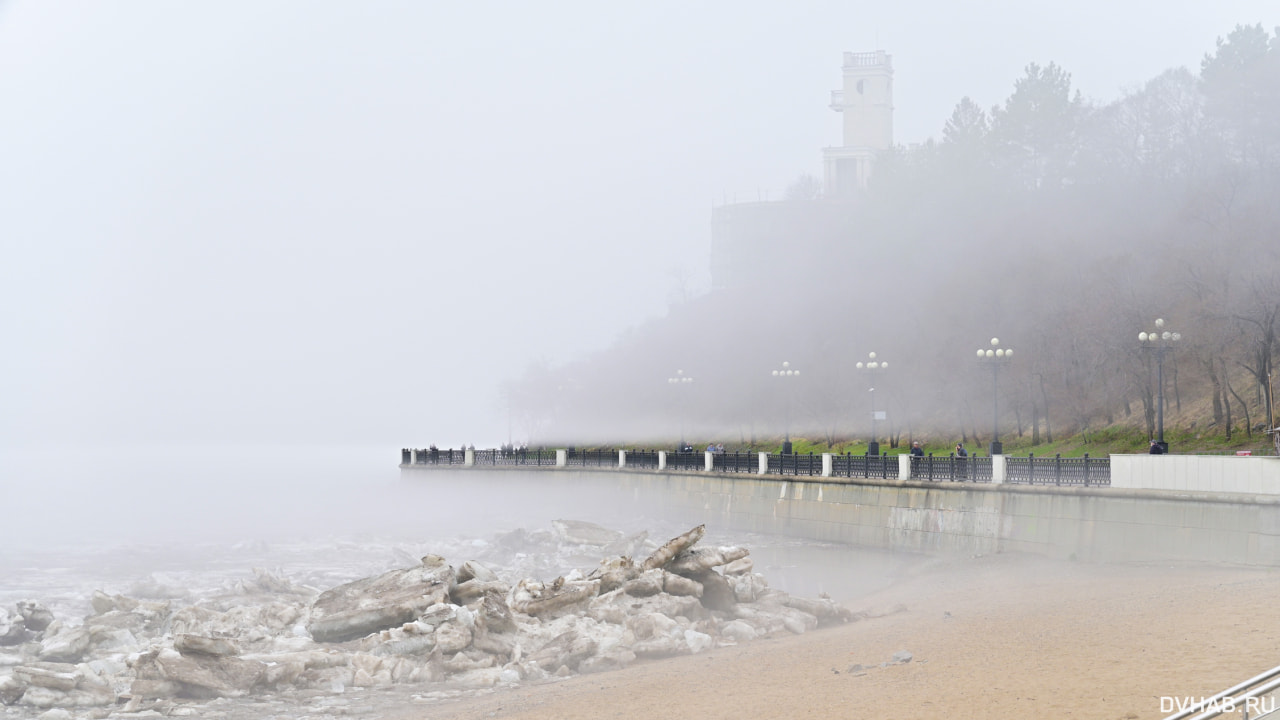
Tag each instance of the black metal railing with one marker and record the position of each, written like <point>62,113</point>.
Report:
<point>435,456</point>
<point>515,457</point>
<point>647,459</point>
<point>592,458</point>
<point>922,467</point>
<point>490,457</point>
<point>686,461</point>
<point>1083,471</point>
<point>794,464</point>
<point>865,466</point>
<point>536,457</point>
<point>979,469</point>
<point>735,462</point>
<point>951,468</point>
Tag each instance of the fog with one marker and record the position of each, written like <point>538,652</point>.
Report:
<point>307,223</point>
<point>119,518</point>
<point>252,250</point>
<point>1054,223</point>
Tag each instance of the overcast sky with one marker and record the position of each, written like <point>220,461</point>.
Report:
<point>347,222</point>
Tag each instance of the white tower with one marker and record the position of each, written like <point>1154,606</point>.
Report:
<point>867,103</point>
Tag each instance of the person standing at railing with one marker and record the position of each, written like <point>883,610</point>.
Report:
<point>962,461</point>
<point>1156,449</point>
<point>917,460</point>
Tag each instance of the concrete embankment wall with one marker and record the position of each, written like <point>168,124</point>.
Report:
<point>1085,523</point>
<point>1209,473</point>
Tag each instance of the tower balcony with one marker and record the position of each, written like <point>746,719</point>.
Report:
<point>868,59</point>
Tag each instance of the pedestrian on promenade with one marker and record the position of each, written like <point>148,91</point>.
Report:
<point>916,450</point>
<point>962,469</point>
<point>1156,449</point>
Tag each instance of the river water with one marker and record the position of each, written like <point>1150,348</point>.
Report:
<point>189,522</point>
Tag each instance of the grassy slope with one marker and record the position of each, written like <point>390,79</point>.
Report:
<point>1189,429</point>
<point>1117,439</point>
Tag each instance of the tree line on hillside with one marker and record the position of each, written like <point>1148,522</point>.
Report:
<point>1061,226</point>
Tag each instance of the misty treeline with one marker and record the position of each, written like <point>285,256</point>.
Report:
<point>1062,226</point>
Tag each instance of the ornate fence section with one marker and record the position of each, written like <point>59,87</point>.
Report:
<point>515,457</point>
<point>865,466</point>
<point>1030,470</point>
<point>979,469</point>
<point>592,458</point>
<point>433,456</point>
<point>793,464</point>
<point>686,461</point>
<point>647,459</point>
<point>735,462</point>
<point>951,468</point>
<point>1057,470</point>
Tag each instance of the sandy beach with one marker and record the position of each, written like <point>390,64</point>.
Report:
<point>997,637</point>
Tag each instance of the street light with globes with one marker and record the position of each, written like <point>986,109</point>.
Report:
<point>681,380</point>
<point>1159,342</point>
<point>873,367</point>
<point>787,372</point>
<point>995,356</point>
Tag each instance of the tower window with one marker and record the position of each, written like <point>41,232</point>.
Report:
<point>860,86</point>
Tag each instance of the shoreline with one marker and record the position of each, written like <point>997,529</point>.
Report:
<point>996,637</point>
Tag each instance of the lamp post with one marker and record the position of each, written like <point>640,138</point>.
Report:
<point>995,356</point>
<point>1159,342</point>
<point>787,372</point>
<point>873,367</point>
<point>680,380</point>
